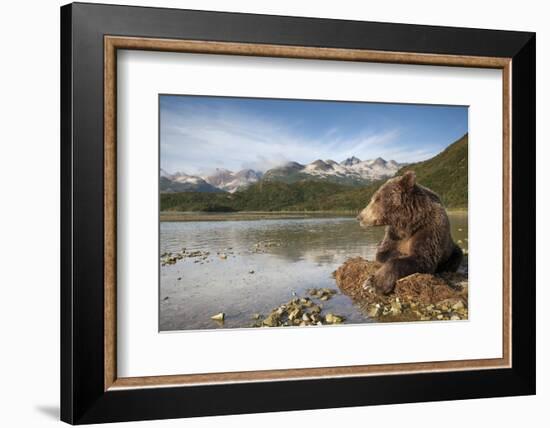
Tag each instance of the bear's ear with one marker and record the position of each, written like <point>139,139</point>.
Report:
<point>408,180</point>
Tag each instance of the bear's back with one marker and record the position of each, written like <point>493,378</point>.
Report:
<point>434,197</point>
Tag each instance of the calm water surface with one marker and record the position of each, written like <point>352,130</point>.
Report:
<point>286,256</point>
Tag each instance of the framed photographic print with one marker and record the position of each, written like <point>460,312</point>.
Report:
<point>255,207</point>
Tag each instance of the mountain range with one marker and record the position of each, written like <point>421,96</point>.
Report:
<point>229,181</point>
<point>446,174</point>
<point>180,182</point>
<point>351,171</point>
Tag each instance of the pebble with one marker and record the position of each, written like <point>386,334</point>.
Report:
<point>323,294</point>
<point>458,306</point>
<point>333,319</point>
<point>218,317</point>
<point>374,311</point>
<point>294,314</point>
<point>272,320</point>
<point>396,308</point>
<point>306,302</point>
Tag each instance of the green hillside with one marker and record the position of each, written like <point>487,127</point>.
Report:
<point>446,174</point>
<point>262,196</point>
<point>197,201</point>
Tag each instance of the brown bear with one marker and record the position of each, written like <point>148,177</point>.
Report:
<point>418,236</point>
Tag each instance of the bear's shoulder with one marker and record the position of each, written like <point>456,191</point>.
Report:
<point>432,196</point>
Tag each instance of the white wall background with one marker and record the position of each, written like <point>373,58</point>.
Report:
<point>29,213</point>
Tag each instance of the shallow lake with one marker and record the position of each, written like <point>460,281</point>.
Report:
<point>254,266</point>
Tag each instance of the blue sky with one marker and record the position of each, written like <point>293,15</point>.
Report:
<point>199,134</point>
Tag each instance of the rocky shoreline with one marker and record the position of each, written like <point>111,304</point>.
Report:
<point>417,297</point>
<point>298,312</point>
<point>301,311</point>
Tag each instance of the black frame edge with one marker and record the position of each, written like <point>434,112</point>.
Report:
<point>66,316</point>
<point>524,213</point>
<point>305,31</point>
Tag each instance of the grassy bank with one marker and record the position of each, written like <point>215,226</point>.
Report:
<point>251,215</point>
<point>265,215</point>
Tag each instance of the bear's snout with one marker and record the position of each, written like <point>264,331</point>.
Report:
<point>362,218</point>
<point>370,216</point>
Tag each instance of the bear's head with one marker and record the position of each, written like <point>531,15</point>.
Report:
<point>390,205</point>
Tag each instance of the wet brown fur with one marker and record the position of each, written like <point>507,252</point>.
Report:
<point>418,236</point>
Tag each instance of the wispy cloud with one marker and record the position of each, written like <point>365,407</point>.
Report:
<point>198,139</point>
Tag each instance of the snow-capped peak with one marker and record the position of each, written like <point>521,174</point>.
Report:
<point>350,161</point>
<point>232,181</point>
